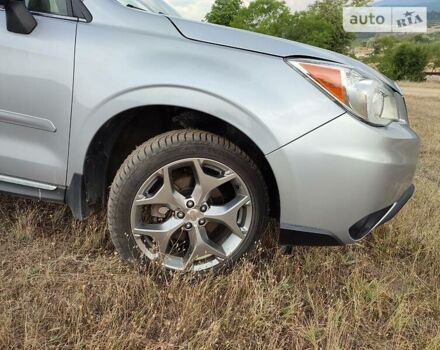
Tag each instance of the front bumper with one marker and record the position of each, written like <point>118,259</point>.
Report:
<point>339,174</point>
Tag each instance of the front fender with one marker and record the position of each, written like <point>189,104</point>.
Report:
<point>86,128</point>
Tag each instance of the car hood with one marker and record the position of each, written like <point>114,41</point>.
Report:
<point>241,39</point>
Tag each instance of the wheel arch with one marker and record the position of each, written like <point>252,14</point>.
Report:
<point>123,132</point>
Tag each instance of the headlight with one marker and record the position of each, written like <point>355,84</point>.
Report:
<point>366,98</point>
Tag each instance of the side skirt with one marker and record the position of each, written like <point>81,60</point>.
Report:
<point>31,189</point>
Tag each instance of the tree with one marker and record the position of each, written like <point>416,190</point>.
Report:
<point>223,11</point>
<point>309,28</point>
<point>270,17</point>
<point>331,12</point>
<point>405,62</point>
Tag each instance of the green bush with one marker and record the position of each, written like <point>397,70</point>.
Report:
<point>435,56</point>
<point>405,62</point>
<point>383,43</point>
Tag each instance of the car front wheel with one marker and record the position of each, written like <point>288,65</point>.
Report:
<point>189,200</point>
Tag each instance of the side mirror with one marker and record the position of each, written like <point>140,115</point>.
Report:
<point>18,18</point>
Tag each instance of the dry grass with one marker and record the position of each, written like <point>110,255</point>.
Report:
<point>61,285</point>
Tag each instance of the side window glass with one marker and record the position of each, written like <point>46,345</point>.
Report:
<point>56,7</point>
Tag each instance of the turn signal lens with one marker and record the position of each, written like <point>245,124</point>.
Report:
<point>329,77</point>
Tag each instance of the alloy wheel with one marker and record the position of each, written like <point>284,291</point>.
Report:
<point>192,214</point>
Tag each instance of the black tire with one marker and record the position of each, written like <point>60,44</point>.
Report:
<point>165,149</point>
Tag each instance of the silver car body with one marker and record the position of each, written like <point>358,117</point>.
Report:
<point>68,78</point>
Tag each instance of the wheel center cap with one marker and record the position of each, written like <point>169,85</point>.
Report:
<point>194,215</point>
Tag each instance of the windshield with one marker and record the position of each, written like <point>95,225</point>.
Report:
<point>156,6</point>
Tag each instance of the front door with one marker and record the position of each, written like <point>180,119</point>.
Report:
<point>36,81</point>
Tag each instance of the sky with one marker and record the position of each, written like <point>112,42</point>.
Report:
<point>197,9</point>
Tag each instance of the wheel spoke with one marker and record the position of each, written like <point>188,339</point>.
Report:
<point>166,194</point>
<point>201,245</point>
<point>206,183</point>
<point>160,233</point>
<point>227,214</point>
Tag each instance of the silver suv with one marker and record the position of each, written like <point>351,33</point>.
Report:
<point>193,134</point>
